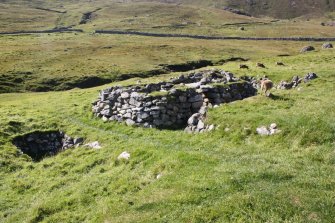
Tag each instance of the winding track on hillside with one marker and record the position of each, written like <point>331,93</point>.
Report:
<point>174,35</point>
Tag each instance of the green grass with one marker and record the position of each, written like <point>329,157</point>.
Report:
<point>230,175</point>
<point>63,61</point>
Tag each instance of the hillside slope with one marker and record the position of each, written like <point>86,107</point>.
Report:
<point>283,8</point>
<point>274,8</point>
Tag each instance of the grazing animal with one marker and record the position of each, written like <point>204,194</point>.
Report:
<point>243,66</point>
<point>279,63</point>
<point>266,85</point>
<point>260,65</point>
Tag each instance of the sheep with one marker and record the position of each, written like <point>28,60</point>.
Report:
<point>266,85</point>
<point>243,66</point>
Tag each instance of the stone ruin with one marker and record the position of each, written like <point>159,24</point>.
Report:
<point>180,102</point>
<point>296,81</point>
<point>39,144</point>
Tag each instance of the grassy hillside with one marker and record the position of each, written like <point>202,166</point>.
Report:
<point>196,18</point>
<point>283,9</point>
<point>59,61</point>
<point>63,61</point>
<point>230,175</point>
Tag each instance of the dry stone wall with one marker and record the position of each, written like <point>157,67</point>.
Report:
<point>170,104</point>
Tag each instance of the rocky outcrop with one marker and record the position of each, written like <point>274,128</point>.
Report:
<point>171,104</point>
<point>39,144</point>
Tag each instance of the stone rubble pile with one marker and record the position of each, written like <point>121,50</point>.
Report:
<point>271,130</point>
<point>38,144</point>
<point>196,124</point>
<point>284,85</point>
<point>171,103</point>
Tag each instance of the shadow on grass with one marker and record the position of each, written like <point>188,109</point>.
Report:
<point>278,97</point>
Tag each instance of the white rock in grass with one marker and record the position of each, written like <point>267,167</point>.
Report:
<point>159,176</point>
<point>273,126</point>
<point>124,156</point>
<point>274,131</point>
<point>263,131</point>
<point>93,145</point>
<point>200,125</point>
<point>211,128</point>
<point>105,119</point>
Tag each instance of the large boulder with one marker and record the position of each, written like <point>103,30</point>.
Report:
<point>307,49</point>
<point>327,46</point>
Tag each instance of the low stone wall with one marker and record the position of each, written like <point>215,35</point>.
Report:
<point>170,104</point>
<point>175,35</point>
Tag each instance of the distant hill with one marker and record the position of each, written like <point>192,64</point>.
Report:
<point>273,8</point>
<point>283,9</point>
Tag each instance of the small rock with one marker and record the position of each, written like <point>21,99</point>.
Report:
<point>273,126</point>
<point>188,129</point>
<point>203,110</point>
<point>327,46</point>
<point>310,76</point>
<point>263,131</point>
<point>93,145</point>
<point>200,125</point>
<point>159,176</point>
<point>78,140</point>
<point>130,122</point>
<point>125,95</point>
<point>124,156</point>
<point>193,120</point>
<point>274,131</point>
<point>105,119</point>
<point>211,128</point>
<point>307,49</point>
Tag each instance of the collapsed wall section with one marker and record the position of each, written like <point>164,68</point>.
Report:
<point>40,144</point>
